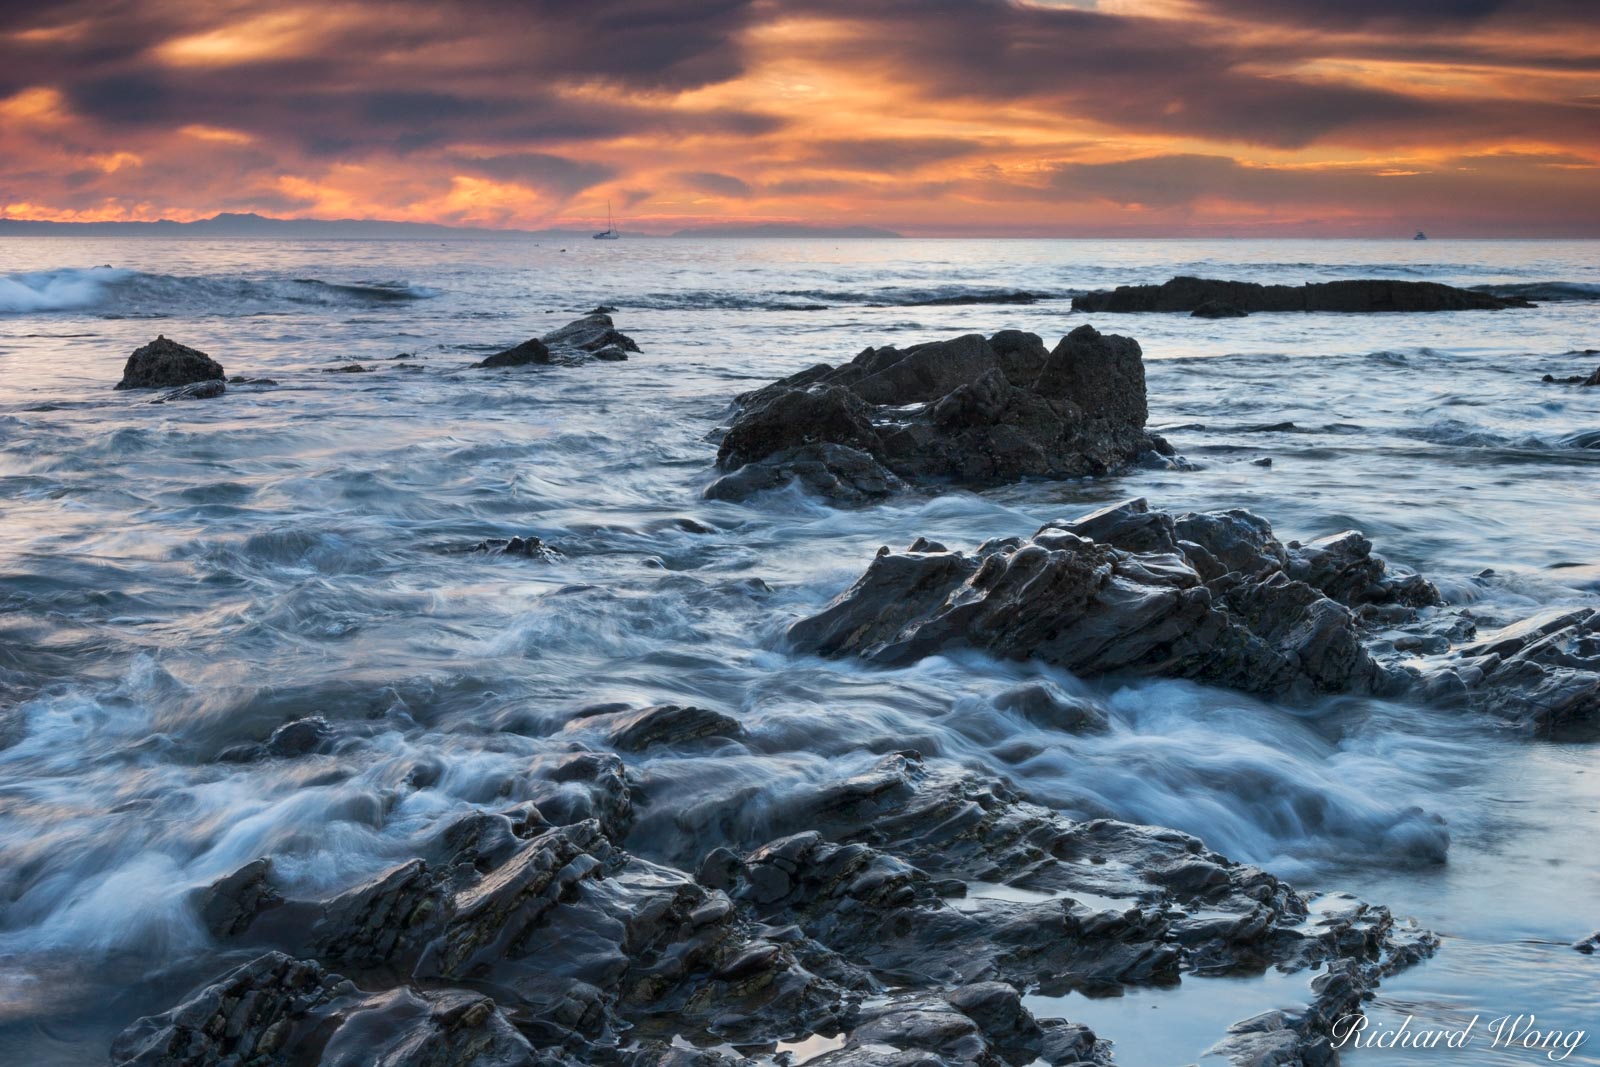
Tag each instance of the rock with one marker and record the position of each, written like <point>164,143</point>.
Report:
<point>209,389</point>
<point>299,738</point>
<point>669,724</point>
<point>1576,379</point>
<point>1047,707</point>
<point>1589,945</point>
<point>1216,309</point>
<point>970,410</point>
<point>273,1007</point>
<point>229,905</point>
<point>529,547</point>
<point>348,368</point>
<point>164,364</point>
<point>239,379</point>
<point>1133,602</point>
<point>532,350</point>
<point>1264,461</point>
<point>1190,294</point>
<point>593,337</point>
<point>1216,598</point>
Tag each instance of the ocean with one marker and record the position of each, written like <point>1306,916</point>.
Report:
<point>178,579</point>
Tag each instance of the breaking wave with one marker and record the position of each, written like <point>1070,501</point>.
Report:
<point>117,292</point>
<point>823,299</point>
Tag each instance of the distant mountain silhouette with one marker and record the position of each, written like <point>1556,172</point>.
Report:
<point>785,229</point>
<point>231,224</point>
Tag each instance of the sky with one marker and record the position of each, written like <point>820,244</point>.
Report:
<point>931,117</point>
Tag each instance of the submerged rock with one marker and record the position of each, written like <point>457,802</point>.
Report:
<point>1210,597</point>
<point>164,364</point>
<point>594,336</point>
<point>1576,379</point>
<point>529,547</point>
<point>1378,294</point>
<point>969,410</point>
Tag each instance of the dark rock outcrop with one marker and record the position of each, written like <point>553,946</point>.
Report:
<point>905,909</point>
<point>1216,309</point>
<point>164,364</point>
<point>1590,381</point>
<point>1378,294</point>
<point>594,336</point>
<point>968,410</point>
<point>1215,598</point>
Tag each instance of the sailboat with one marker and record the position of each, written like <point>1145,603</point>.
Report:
<point>610,232</point>
<point>1420,236</point>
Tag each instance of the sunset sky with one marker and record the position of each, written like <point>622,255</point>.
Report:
<point>936,117</point>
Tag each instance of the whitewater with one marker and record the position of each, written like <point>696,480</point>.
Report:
<point>178,580</point>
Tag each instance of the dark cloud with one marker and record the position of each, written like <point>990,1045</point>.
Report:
<point>703,181</point>
<point>552,174</point>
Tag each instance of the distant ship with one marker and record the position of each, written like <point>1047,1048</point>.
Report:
<point>610,232</point>
<point>1419,237</point>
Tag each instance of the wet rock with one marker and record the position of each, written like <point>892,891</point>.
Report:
<point>670,724</point>
<point>299,738</point>
<point>206,390</point>
<point>1216,598</point>
<point>593,337</point>
<point>837,472</point>
<point>529,547</point>
<point>1095,607</point>
<point>275,1007</point>
<point>1576,379</point>
<point>1589,945</point>
<point>348,368</point>
<point>532,350</point>
<point>970,410</point>
<point>1370,295</point>
<point>1216,309</point>
<point>229,905</point>
<point>164,364</point>
<point>239,379</point>
<point>1046,706</point>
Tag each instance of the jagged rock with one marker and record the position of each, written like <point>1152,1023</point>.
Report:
<point>1188,294</point>
<point>1576,379</point>
<point>229,905</point>
<point>594,336</point>
<point>1216,309</point>
<point>971,410</point>
<point>1132,602</point>
<point>268,1011</point>
<point>1216,598</point>
<point>529,547</point>
<point>163,364</point>
<point>1589,945</point>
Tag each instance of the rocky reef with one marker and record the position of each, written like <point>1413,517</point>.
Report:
<point>1215,598</point>
<point>1376,294</point>
<point>971,410</point>
<point>165,364</point>
<point>900,916</point>
<point>593,337</point>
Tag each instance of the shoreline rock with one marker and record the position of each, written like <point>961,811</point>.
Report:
<point>1185,293</point>
<point>970,410</point>
<point>166,364</point>
<point>854,922</point>
<point>1214,598</point>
